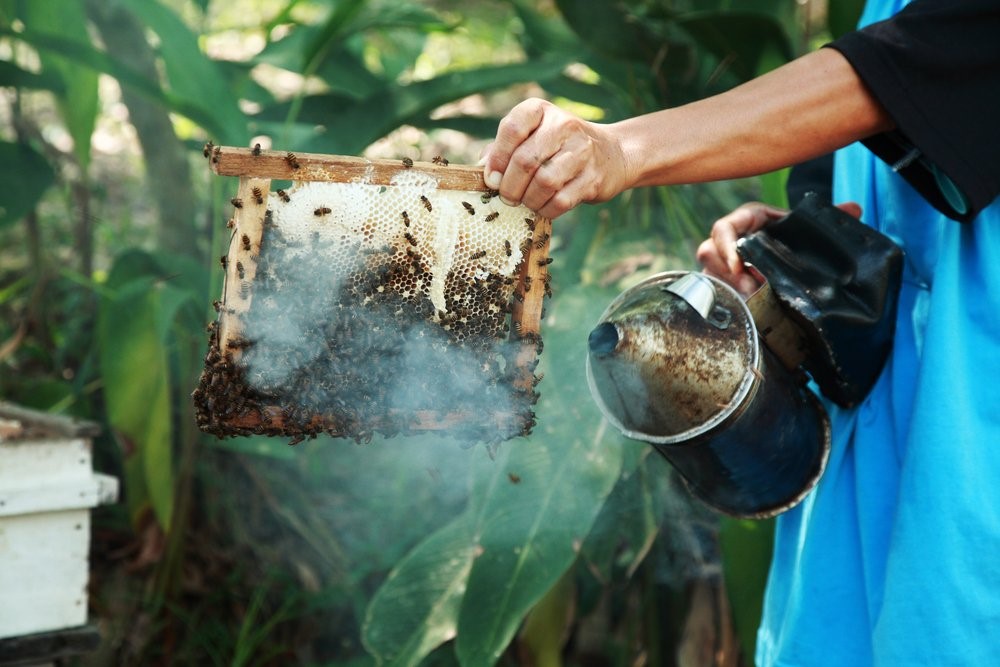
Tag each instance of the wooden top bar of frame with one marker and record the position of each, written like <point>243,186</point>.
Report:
<point>231,161</point>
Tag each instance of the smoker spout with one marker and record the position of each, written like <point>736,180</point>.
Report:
<point>603,339</point>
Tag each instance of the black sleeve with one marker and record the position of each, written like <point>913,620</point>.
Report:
<point>935,67</point>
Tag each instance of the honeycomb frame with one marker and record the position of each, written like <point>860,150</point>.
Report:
<point>504,282</point>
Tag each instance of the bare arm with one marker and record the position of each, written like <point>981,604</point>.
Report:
<point>552,161</point>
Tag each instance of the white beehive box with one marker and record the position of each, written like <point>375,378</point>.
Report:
<point>47,488</point>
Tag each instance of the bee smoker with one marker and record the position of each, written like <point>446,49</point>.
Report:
<point>677,362</point>
<point>718,385</point>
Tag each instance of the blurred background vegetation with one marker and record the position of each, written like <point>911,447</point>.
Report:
<point>570,547</point>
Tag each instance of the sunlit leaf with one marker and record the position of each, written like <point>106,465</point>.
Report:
<point>192,75</point>
<point>26,176</point>
<point>79,102</point>
<point>87,55</point>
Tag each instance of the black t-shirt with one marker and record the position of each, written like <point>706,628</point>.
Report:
<point>935,68</point>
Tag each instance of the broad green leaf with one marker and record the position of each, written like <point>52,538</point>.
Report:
<point>192,76</point>
<point>628,523</point>
<point>12,76</point>
<point>79,104</point>
<point>741,40</point>
<point>610,28</point>
<point>99,61</point>
<point>540,502</point>
<point>26,176</point>
<point>843,16</point>
<point>350,129</point>
<point>416,609</point>
<point>136,373</point>
<point>746,557</point>
<point>545,629</point>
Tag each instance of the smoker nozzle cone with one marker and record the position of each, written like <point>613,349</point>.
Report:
<point>603,339</point>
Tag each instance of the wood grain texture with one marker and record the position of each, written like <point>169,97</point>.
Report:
<point>231,161</point>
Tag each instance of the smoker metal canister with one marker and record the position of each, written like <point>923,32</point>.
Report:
<point>676,362</point>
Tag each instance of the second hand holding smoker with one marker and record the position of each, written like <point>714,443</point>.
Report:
<point>678,360</point>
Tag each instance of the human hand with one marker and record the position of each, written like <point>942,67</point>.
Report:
<point>550,160</point>
<point>717,254</point>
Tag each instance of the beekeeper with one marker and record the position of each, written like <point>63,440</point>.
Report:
<point>894,558</point>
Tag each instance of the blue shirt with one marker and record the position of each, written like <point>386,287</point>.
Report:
<point>894,559</point>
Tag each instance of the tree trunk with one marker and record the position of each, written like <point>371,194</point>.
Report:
<point>168,171</point>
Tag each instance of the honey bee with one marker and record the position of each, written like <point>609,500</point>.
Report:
<point>468,207</point>
<point>258,196</point>
<point>545,262</point>
<point>238,343</point>
<point>527,283</point>
<point>292,161</point>
<point>478,255</point>
<point>409,238</point>
<point>207,150</point>
<point>246,242</point>
<point>231,223</point>
<point>256,150</point>
<point>541,241</point>
<point>535,379</point>
<point>239,269</point>
<point>237,202</point>
<point>284,196</point>
<point>426,202</point>
<point>488,195</point>
<point>407,162</point>
<point>514,479</point>
<point>322,210</point>
<point>223,260</point>
<point>216,154</point>
<point>519,297</point>
<point>244,289</point>
<point>530,222</point>
<point>406,219</point>
<point>437,159</point>
<point>506,247</point>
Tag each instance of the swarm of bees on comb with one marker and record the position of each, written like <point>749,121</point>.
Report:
<point>373,296</point>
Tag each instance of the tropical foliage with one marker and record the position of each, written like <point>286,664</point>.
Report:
<point>573,546</point>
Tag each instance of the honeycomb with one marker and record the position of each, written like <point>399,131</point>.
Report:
<point>352,308</point>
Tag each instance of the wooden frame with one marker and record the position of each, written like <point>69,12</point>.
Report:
<point>256,169</point>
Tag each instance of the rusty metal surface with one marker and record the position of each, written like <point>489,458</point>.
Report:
<point>746,435</point>
<point>673,374</point>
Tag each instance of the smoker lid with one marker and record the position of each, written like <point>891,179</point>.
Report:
<point>673,357</point>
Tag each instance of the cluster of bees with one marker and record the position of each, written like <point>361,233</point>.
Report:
<point>343,339</point>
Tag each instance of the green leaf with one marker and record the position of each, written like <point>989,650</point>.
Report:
<point>843,16</point>
<point>542,498</point>
<point>87,55</point>
<point>740,40</point>
<point>79,105</point>
<point>746,557</point>
<point>416,609</point>
<point>610,28</point>
<point>193,76</point>
<point>628,523</point>
<point>136,373</point>
<point>351,128</point>
<point>26,176</point>
<point>12,76</point>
